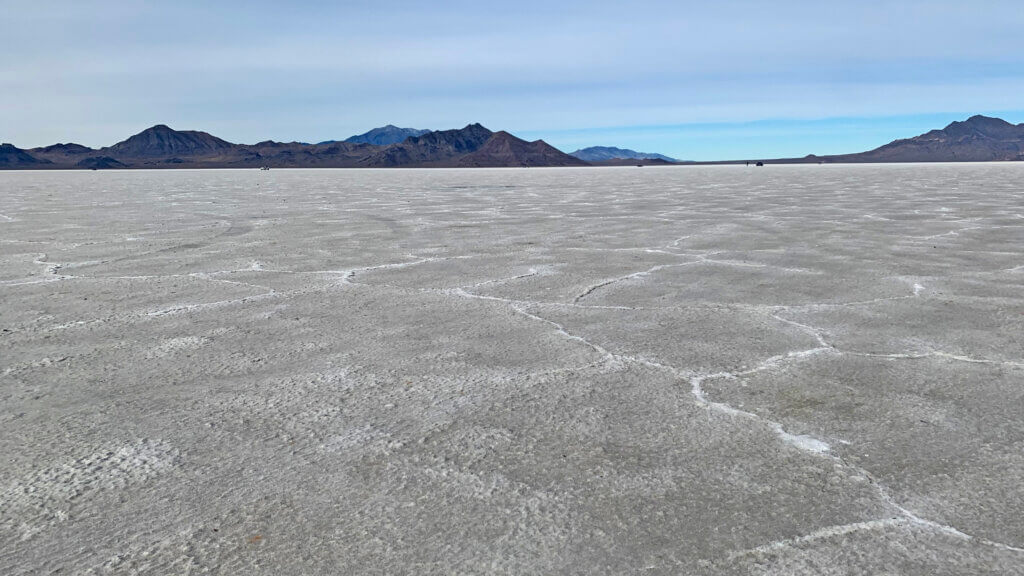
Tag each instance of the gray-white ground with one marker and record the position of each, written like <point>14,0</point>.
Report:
<point>726,370</point>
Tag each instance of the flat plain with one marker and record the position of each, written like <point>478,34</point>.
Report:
<point>700,370</point>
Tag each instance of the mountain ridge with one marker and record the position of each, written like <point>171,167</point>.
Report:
<point>383,136</point>
<point>432,148</point>
<point>160,146</point>
<point>13,157</point>
<point>604,153</point>
<point>161,140</point>
<point>505,150</point>
<point>976,139</point>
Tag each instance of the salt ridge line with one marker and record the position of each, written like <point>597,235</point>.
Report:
<point>705,259</point>
<point>348,274</point>
<point>701,259</point>
<point>803,442</point>
<point>776,309</point>
<point>822,534</point>
<point>609,358</point>
<point>800,442</point>
<point>345,273</point>
<point>881,490</point>
<point>640,274</point>
<point>813,445</point>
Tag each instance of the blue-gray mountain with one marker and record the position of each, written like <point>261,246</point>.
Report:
<point>383,136</point>
<point>605,153</point>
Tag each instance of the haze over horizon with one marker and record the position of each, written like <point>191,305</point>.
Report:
<point>691,81</point>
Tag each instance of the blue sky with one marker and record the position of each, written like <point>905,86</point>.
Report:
<point>695,80</point>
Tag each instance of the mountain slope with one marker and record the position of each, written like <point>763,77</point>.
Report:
<point>979,138</point>
<point>503,149</point>
<point>603,153</point>
<point>69,149</point>
<point>161,141</point>
<point>100,162</point>
<point>383,136</point>
<point>14,157</point>
<point>432,149</point>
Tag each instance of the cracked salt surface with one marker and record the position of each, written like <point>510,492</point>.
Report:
<point>699,370</point>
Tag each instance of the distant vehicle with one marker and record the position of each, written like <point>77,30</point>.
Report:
<point>265,168</point>
<point>760,163</point>
<point>639,165</point>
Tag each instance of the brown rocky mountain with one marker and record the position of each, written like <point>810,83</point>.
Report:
<point>504,149</point>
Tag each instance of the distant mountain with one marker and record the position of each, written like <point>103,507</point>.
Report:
<point>633,162</point>
<point>504,149</point>
<point>100,162</point>
<point>439,148</point>
<point>977,139</point>
<point>69,149</point>
<point>602,153</point>
<point>383,136</point>
<point>164,147</point>
<point>161,141</point>
<point>14,157</point>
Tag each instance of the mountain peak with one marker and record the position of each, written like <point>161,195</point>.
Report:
<point>976,139</point>
<point>984,122</point>
<point>161,140</point>
<point>383,136</point>
<point>980,118</point>
<point>430,148</point>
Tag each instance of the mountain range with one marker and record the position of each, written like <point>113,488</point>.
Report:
<point>979,138</point>
<point>164,147</point>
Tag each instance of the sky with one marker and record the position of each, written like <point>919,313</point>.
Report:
<point>693,80</point>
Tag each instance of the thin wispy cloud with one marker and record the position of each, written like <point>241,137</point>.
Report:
<point>95,72</point>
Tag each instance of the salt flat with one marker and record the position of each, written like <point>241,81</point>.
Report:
<point>720,370</point>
